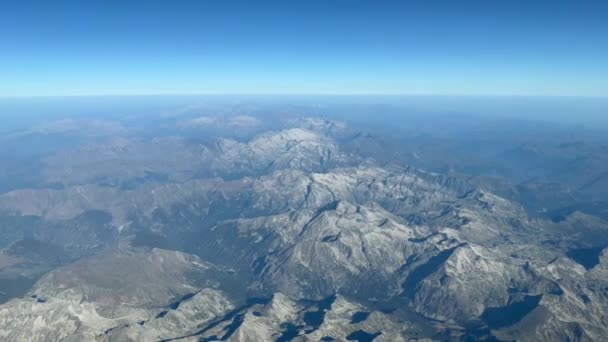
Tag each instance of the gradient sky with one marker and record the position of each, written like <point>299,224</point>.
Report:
<point>315,47</point>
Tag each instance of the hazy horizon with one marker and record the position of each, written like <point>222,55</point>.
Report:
<point>589,111</point>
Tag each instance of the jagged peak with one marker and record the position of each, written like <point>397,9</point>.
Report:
<point>318,124</point>
<point>290,134</point>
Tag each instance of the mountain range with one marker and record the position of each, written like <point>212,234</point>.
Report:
<point>309,230</point>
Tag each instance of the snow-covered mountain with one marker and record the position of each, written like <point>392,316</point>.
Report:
<point>288,236</point>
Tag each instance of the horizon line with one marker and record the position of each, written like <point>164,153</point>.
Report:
<point>279,94</point>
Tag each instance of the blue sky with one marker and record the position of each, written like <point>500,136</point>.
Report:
<point>310,47</point>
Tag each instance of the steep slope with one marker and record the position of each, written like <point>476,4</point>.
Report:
<point>91,298</point>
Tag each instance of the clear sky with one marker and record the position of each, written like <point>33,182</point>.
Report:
<point>317,47</point>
